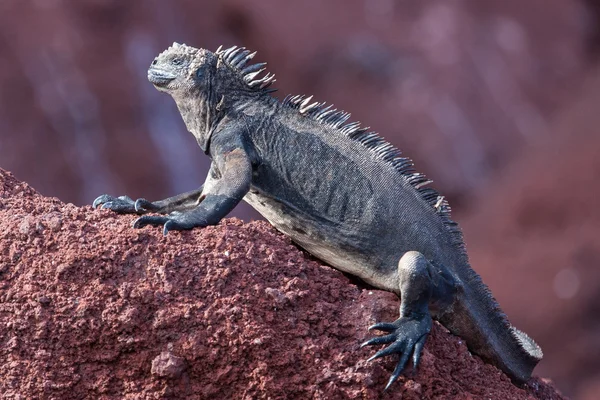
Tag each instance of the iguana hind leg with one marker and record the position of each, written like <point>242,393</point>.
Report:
<point>420,284</point>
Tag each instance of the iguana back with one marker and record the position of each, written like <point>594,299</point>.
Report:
<point>374,209</point>
<point>352,195</point>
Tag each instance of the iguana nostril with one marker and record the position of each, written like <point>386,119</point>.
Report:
<point>154,61</point>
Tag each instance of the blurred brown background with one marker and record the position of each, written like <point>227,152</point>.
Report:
<point>496,100</point>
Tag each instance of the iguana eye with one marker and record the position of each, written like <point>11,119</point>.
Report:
<point>199,73</point>
<point>177,61</point>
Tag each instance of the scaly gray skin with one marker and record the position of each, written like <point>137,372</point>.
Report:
<point>339,191</point>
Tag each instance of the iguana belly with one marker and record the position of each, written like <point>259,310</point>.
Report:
<point>328,243</point>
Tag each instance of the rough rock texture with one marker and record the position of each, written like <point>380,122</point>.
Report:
<point>90,308</point>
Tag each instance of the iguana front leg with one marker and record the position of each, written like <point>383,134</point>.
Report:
<point>421,284</point>
<point>228,182</point>
<point>126,205</point>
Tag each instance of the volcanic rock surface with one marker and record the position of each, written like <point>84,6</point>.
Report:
<point>91,308</point>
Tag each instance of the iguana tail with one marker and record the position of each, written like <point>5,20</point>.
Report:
<point>478,319</point>
<point>532,351</point>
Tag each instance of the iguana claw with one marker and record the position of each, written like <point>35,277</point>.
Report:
<point>176,221</point>
<point>154,220</point>
<point>121,204</point>
<point>407,337</point>
<point>143,205</point>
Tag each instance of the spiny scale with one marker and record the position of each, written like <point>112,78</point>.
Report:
<point>237,57</point>
<point>179,48</point>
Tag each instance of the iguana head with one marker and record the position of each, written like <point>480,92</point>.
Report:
<point>204,84</point>
<point>181,68</point>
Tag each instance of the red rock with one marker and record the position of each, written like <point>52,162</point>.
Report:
<point>167,365</point>
<point>93,308</point>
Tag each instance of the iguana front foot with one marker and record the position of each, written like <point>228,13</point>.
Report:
<point>406,336</point>
<point>121,204</point>
<point>125,204</point>
<point>176,221</point>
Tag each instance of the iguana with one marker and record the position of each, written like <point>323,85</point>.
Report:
<point>339,191</point>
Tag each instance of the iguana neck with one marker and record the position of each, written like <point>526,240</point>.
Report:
<point>200,116</point>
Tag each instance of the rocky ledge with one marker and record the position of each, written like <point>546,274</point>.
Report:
<point>90,308</point>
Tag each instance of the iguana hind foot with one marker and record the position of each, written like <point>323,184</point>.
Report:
<point>420,284</point>
<point>407,337</point>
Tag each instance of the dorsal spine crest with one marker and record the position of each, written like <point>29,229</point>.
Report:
<point>238,57</point>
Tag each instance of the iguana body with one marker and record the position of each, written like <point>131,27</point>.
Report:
<point>339,191</point>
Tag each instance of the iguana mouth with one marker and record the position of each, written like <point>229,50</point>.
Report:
<point>159,77</point>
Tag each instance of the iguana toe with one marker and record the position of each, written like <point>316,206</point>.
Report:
<point>398,370</point>
<point>101,200</point>
<point>399,346</point>
<point>154,220</point>
<point>417,351</point>
<point>384,326</point>
<point>169,226</point>
<point>176,221</point>
<point>379,340</point>
<point>143,205</point>
<point>121,204</point>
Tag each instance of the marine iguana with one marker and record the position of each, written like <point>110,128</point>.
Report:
<point>339,191</point>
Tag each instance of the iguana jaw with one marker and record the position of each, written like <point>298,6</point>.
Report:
<point>159,77</point>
